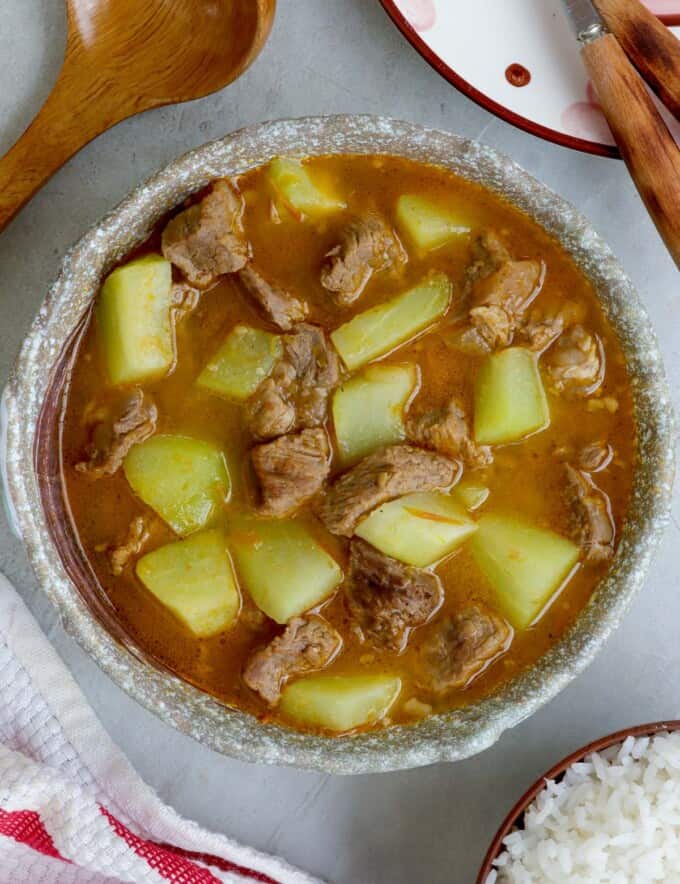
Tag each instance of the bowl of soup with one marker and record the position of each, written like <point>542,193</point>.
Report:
<point>341,443</point>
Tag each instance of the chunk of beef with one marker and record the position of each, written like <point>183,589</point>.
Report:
<point>500,290</point>
<point>493,327</point>
<point>295,395</point>
<point>460,648</point>
<point>591,510</point>
<point>447,430</point>
<point>138,535</point>
<point>542,329</point>
<point>269,412</point>
<point>387,598</point>
<point>575,365</point>
<point>539,333</point>
<point>278,305</point>
<point>136,424</point>
<point>367,246</point>
<point>308,644</point>
<point>207,240</point>
<point>317,370</point>
<point>382,476</point>
<point>290,470</point>
<point>488,254</point>
<point>513,286</point>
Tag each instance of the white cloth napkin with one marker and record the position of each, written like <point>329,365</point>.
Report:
<point>72,809</point>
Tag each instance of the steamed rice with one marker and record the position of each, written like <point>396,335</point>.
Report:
<point>613,818</point>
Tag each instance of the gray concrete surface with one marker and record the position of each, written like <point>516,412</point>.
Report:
<point>430,825</point>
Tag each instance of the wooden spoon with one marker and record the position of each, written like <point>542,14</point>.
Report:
<point>124,57</point>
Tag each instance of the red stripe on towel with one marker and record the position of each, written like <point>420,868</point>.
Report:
<point>167,863</point>
<point>26,827</point>
<point>224,865</point>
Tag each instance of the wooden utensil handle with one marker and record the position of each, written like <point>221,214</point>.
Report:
<point>653,49</point>
<point>65,123</point>
<point>646,145</point>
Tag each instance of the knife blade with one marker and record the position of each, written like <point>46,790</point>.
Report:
<point>585,20</point>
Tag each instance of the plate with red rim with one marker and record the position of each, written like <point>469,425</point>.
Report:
<point>528,72</point>
<point>514,818</point>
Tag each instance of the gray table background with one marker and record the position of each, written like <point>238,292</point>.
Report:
<point>430,825</point>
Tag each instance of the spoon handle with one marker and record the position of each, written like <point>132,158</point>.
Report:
<point>71,117</point>
<point>646,145</point>
<point>653,49</point>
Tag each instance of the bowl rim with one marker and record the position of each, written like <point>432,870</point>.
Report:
<point>599,745</point>
<point>450,736</point>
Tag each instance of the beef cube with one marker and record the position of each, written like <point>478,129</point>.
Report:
<point>488,254</point>
<point>136,424</point>
<point>388,598</point>
<point>207,240</point>
<point>308,644</point>
<point>295,395</point>
<point>367,246</point>
<point>575,365</point>
<point>290,470</point>
<point>382,476</point>
<point>459,648</point>
<point>278,305</point>
<point>500,290</point>
<point>446,430</point>
<point>591,511</point>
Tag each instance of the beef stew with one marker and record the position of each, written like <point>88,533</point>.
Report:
<point>348,441</point>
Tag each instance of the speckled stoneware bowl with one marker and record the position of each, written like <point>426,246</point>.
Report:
<point>31,411</point>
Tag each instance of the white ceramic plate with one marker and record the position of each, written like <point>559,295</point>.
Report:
<point>479,46</point>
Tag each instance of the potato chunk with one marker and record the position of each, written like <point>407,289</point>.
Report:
<point>195,580</point>
<point>377,331</point>
<point>184,480</point>
<point>291,179</point>
<point>340,702</point>
<point>133,319</point>
<point>418,529</point>
<point>525,565</point>
<point>368,410</point>
<point>471,494</point>
<point>510,401</point>
<point>283,567</point>
<point>427,225</point>
<point>244,360</point>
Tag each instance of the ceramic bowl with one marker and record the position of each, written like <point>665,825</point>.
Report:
<point>514,819</point>
<point>31,411</point>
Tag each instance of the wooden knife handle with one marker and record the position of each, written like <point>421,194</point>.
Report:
<point>653,49</point>
<point>646,145</point>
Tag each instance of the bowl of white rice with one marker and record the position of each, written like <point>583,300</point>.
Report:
<point>607,814</point>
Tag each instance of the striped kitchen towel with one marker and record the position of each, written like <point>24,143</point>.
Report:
<point>72,809</point>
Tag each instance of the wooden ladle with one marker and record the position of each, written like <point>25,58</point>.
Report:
<point>124,57</point>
